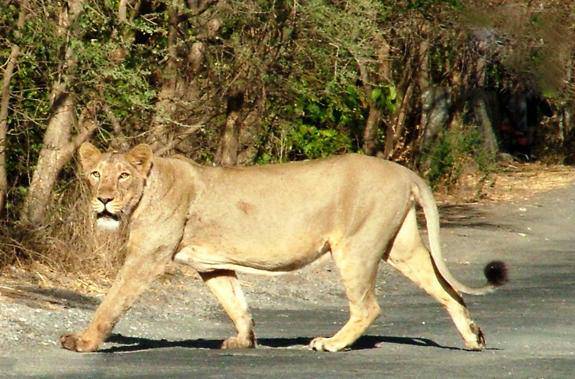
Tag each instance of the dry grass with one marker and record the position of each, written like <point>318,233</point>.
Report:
<point>67,252</point>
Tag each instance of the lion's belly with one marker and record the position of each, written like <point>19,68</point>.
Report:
<point>258,258</point>
<point>250,235</point>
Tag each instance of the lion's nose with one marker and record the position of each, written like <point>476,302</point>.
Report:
<point>105,200</point>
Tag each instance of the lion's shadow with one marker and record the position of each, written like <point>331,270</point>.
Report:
<point>128,344</point>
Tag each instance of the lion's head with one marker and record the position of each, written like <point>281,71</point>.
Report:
<point>116,181</point>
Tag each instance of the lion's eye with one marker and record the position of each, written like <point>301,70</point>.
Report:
<point>124,176</point>
<point>95,174</point>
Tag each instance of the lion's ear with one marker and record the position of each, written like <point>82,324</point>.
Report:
<point>141,157</point>
<point>89,156</point>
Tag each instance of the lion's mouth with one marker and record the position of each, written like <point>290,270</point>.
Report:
<point>107,220</point>
<point>107,214</point>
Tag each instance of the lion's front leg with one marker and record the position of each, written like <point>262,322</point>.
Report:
<point>76,342</point>
<point>135,276</point>
<point>225,286</point>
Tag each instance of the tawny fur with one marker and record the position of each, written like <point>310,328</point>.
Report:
<point>268,219</point>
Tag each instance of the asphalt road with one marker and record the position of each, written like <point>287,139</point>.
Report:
<point>529,324</point>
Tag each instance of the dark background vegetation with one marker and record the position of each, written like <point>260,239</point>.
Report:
<point>442,86</point>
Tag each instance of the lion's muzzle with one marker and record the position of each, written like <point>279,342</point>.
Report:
<point>106,217</point>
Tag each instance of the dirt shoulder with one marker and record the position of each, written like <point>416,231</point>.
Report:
<point>517,181</point>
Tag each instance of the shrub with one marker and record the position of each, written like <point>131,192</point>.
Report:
<point>452,151</point>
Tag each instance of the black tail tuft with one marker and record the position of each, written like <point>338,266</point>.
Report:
<point>496,273</point>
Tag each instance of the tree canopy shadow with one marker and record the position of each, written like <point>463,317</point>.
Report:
<point>130,344</point>
<point>464,215</point>
<point>49,298</point>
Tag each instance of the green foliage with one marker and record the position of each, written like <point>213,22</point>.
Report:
<point>452,151</point>
<point>124,85</point>
<point>385,97</point>
<point>307,141</point>
<point>324,125</point>
<point>317,98</point>
<point>107,68</point>
<point>29,96</point>
<point>298,64</point>
<point>316,81</point>
<point>339,106</point>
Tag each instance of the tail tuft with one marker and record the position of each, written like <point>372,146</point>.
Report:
<point>496,273</point>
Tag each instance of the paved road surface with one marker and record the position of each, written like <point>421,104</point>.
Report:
<point>529,324</point>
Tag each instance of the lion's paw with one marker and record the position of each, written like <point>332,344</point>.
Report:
<point>75,342</point>
<point>478,343</point>
<point>326,344</point>
<point>238,343</point>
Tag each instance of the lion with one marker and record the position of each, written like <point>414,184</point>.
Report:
<point>269,219</point>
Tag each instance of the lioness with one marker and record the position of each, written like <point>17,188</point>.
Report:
<point>269,219</point>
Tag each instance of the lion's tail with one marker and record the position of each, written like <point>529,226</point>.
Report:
<point>495,272</point>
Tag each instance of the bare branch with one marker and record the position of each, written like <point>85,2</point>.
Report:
<point>113,119</point>
<point>122,11</point>
<point>200,6</point>
<point>182,136</point>
<point>87,125</point>
<point>5,101</point>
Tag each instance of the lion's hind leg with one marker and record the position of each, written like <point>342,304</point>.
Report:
<point>225,286</point>
<point>358,273</point>
<point>412,259</point>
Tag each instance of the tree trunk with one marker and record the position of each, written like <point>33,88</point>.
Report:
<point>436,107</point>
<point>481,106</point>
<point>122,11</point>
<point>4,103</point>
<point>426,92</point>
<point>166,107</point>
<point>227,154</point>
<point>176,89</point>
<point>374,117</point>
<point>568,106</point>
<point>482,114</point>
<point>58,149</point>
<point>58,145</point>
<point>370,132</point>
<point>47,167</point>
<point>395,131</point>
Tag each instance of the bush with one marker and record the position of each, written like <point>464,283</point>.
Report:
<point>449,155</point>
<point>309,142</point>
